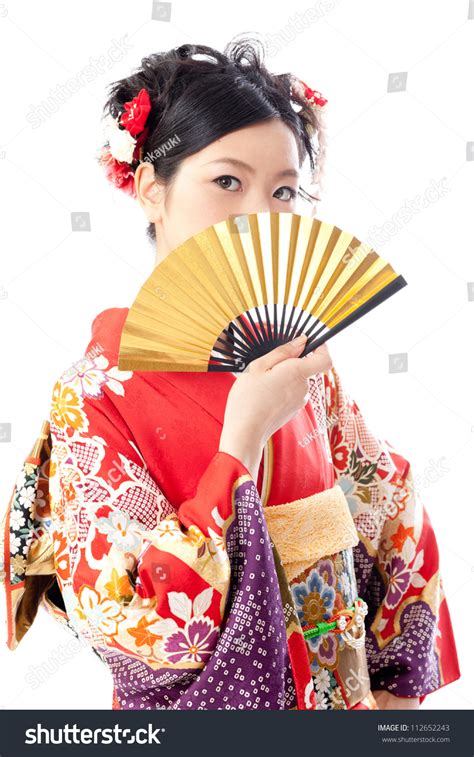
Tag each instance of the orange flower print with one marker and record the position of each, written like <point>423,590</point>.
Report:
<point>119,588</point>
<point>66,408</point>
<point>61,555</point>
<point>142,635</point>
<point>402,534</point>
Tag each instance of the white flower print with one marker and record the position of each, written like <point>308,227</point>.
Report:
<point>345,584</point>
<point>15,543</point>
<point>121,531</point>
<point>17,519</point>
<point>322,680</point>
<point>103,614</point>
<point>27,496</point>
<point>87,377</point>
<point>21,479</point>
<point>169,526</point>
<point>195,641</point>
<point>321,701</point>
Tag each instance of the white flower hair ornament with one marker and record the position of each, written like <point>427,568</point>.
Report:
<point>318,104</point>
<point>124,137</point>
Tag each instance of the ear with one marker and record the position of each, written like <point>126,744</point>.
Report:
<point>150,192</point>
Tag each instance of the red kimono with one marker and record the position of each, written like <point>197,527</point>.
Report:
<point>194,583</point>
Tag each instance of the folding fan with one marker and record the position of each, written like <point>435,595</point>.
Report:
<point>238,289</point>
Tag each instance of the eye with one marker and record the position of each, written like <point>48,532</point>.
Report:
<point>292,193</point>
<point>226,179</point>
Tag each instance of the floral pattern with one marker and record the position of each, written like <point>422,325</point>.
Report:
<point>401,585</point>
<point>29,516</point>
<point>319,592</point>
<point>120,530</point>
<point>172,590</point>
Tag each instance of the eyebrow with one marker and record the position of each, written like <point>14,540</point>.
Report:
<point>242,164</point>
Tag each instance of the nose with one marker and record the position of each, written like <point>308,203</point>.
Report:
<point>261,205</point>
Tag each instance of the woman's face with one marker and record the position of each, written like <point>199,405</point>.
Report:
<point>253,169</point>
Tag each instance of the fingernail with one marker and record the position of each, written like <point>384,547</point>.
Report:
<point>299,339</point>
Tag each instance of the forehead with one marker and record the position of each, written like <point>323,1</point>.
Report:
<point>265,144</point>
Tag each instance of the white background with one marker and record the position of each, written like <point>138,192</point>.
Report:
<point>386,151</point>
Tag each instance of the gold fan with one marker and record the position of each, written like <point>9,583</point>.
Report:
<point>243,286</point>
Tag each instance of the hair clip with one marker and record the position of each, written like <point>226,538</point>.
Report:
<point>312,96</point>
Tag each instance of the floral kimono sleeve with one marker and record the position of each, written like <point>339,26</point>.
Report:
<point>166,594</point>
<point>410,644</point>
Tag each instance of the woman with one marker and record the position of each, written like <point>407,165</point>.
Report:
<point>225,541</point>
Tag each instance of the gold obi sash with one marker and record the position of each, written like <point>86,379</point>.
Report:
<point>305,531</point>
<point>28,580</point>
<point>308,529</point>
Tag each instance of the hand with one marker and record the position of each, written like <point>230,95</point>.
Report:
<point>266,396</point>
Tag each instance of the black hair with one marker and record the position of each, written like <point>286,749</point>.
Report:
<point>198,94</point>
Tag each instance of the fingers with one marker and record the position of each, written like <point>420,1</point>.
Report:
<point>317,361</point>
<point>275,356</point>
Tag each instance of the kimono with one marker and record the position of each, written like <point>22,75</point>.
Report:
<point>201,588</point>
